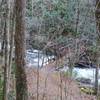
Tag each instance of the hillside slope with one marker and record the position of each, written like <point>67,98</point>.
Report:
<point>50,86</point>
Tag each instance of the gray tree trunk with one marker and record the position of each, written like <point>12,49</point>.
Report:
<point>6,60</point>
<point>97,15</point>
<point>96,80</point>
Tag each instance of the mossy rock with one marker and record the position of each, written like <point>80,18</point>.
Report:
<point>88,90</point>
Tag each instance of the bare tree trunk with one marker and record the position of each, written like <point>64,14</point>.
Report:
<point>20,42</point>
<point>38,77</point>
<point>96,80</point>
<point>61,96</point>
<point>11,53</point>
<point>2,44</point>
<point>97,15</point>
<point>6,66</point>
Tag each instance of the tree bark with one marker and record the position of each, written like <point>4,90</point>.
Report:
<point>21,82</point>
<point>96,79</point>
<point>6,51</point>
<point>97,15</point>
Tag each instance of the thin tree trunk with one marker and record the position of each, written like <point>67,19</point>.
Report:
<point>61,96</point>
<point>11,52</point>
<point>97,15</point>
<point>96,79</point>
<point>6,66</point>
<point>38,76</point>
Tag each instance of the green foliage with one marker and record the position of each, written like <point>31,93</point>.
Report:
<point>11,95</point>
<point>55,14</point>
<point>1,88</point>
<point>94,49</point>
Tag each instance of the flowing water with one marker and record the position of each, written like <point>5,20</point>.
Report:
<point>36,58</point>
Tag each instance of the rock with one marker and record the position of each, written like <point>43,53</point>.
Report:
<point>84,80</point>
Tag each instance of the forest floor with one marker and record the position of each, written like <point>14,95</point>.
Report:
<point>50,86</point>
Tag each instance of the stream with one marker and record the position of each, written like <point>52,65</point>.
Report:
<point>36,58</point>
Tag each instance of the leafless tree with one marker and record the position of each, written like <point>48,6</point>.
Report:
<point>21,82</point>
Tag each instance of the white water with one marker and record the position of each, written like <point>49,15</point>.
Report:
<point>36,58</point>
<point>32,60</point>
<point>87,73</point>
